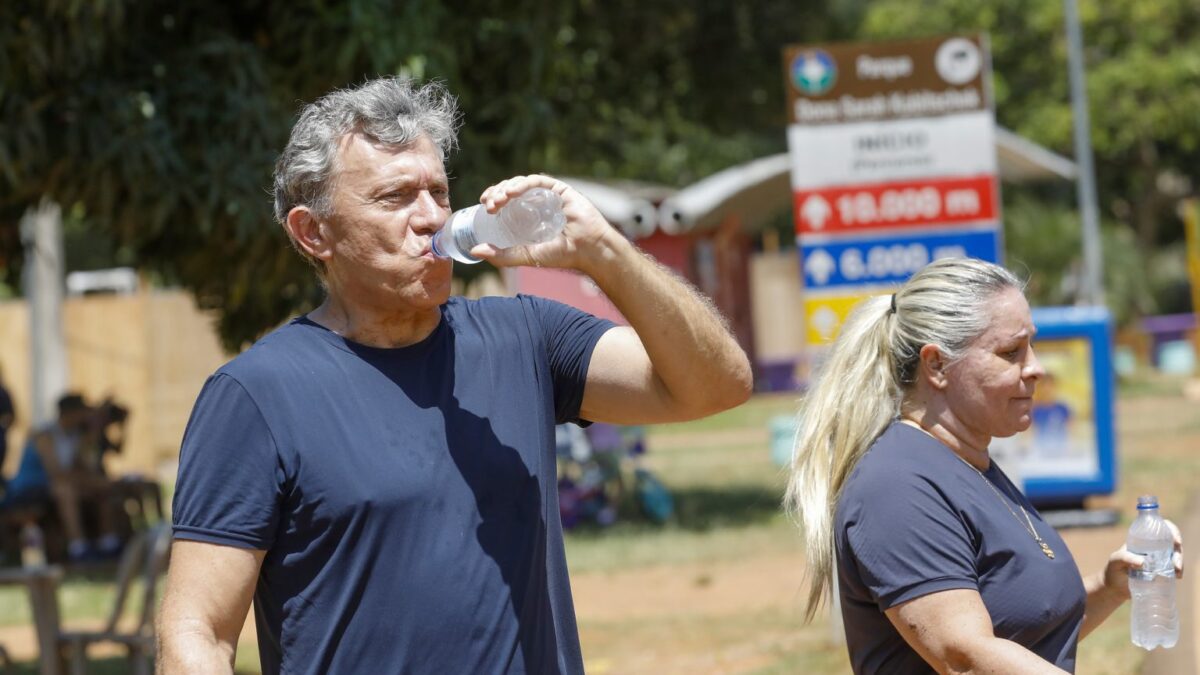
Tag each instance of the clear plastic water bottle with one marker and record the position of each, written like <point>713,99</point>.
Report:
<point>1154,620</point>
<point>532,217</point>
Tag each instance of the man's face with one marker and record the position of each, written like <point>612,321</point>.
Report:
<point>386,204</point>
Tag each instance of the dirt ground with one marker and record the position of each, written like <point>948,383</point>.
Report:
<point>682,595</point>
<point>677,619</point>
<point>757,585</point>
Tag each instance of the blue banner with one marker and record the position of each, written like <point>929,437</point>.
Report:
<point>877,261</point>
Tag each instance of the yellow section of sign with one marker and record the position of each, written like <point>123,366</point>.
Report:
<point>824,315</point>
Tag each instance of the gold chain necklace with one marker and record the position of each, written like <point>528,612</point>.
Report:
<point>1028,524</point>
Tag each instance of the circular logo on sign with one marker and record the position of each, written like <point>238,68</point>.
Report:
<point>958,60</point>
<point>814,72</point>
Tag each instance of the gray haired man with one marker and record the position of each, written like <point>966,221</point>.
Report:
<point>379,474</point>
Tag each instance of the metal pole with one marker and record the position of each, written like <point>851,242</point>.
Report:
<point>1092,291</point>
<point>41,233</point>
<point>1190,210</point>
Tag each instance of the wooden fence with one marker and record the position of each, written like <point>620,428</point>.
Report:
<point>151,351</point>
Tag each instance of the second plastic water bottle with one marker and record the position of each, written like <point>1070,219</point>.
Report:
<point>1154,620</point>
<point>533,217</point>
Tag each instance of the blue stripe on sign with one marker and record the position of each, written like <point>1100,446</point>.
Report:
<point>887,260</point>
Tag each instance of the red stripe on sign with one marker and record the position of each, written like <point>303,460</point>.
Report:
<point>878,206</point>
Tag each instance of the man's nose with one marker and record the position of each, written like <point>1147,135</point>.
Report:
<point>429,215</point>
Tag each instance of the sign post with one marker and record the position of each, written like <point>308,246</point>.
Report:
<point>894,165</point>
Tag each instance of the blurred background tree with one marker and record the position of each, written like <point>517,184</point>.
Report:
<point>156,124</point>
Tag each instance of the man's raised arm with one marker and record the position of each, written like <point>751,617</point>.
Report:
<point>676,361</point>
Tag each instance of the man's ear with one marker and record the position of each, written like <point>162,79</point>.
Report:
<point>309,232</point>
<point>933,366</point>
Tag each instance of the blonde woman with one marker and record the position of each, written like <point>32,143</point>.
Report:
<point>942,564</point>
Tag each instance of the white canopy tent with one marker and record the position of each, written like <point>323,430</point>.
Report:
<point>629,206</point>
<point>761,189</point>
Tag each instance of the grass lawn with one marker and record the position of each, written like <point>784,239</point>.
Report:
<point>717,588</point>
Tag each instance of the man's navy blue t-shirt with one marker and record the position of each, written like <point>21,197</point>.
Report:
<point>914,519</point>
<point>406,497</point>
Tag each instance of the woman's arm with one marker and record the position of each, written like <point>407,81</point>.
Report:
<point>1102,598</point>
<point>952,631</point>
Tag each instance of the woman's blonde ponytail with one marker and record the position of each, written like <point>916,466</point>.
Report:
<point>859,388</point>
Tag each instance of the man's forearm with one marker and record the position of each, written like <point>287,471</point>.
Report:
<point>183,649</point>
<point>691,350</point>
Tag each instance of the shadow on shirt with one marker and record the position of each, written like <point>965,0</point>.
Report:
<point>512,531</point>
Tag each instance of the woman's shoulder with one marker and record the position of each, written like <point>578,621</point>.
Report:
<point>900,449</point>
<point>907,477</point>
<point>900,461</point>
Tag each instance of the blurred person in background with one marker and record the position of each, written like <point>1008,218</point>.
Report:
<point>942,564</point>
<point>379,474</point>
<point>56,468</point>
<point>109,428</point>
<point>135,492</point>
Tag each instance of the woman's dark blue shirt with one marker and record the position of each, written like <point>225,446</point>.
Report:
<point>914,519</point>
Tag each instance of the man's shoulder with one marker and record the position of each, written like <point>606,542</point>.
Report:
<point>458,304</point>
<point>492,309</point>
<point>278,350</point>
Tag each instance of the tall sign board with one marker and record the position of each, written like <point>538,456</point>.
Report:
<point>893,165</point>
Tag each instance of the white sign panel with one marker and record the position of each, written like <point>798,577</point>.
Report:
<point>894,150</point>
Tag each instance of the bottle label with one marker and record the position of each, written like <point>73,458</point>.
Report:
<point>462,228</point>
<point>1156,562</point>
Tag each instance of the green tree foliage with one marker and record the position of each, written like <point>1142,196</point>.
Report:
<point>1143,84</point>
<point>1043,239</point>
<point>156,124</point>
